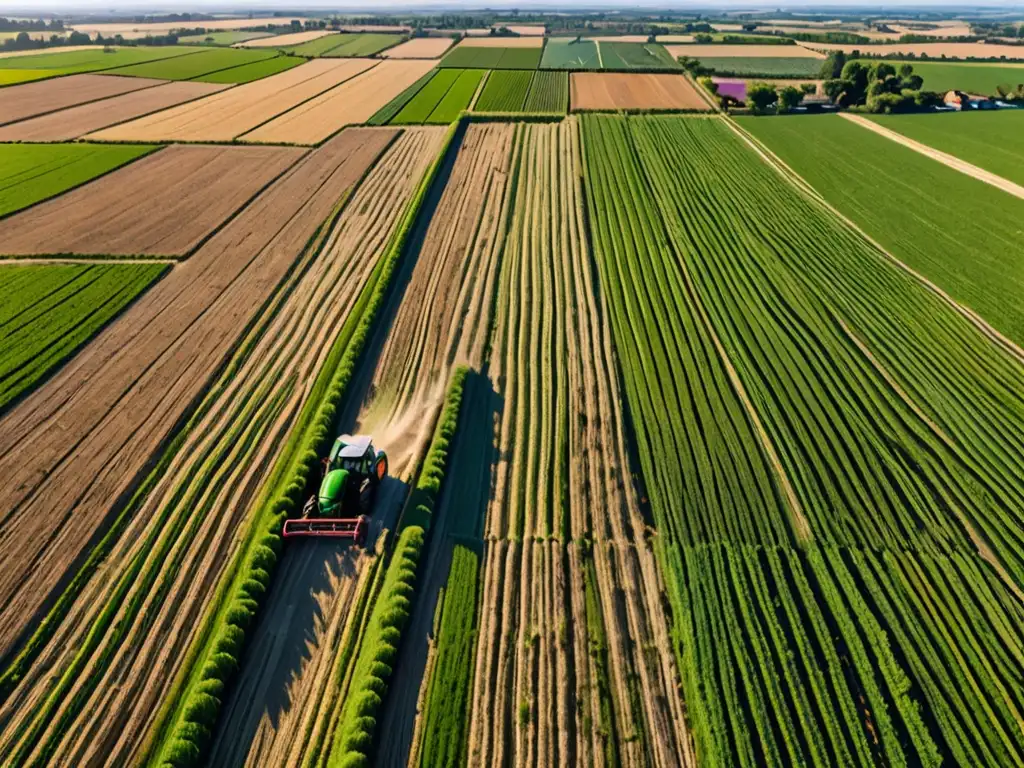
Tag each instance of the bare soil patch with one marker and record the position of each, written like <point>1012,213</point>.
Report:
<point>501,42</point>
<point>131,30</point>
<point>31,99</point>
<point>162,205</point>
<point>229,114</point>
<point>70,451</point>
<point>934,50</point>
<point>77,121</point>
<point>354,101</point>
<point>419,48</point>
<point>598,90</point>
<point>744,51</point>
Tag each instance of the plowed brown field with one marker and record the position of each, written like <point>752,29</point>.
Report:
<point>354,101</point>
<point>163,205</point>
<point>73,451</point>
<point>439,317</point>
<point>192,516</point>
<point>31,99</point>
<point>224,116</point>
<point>79,120</point>
<point>598,90</point>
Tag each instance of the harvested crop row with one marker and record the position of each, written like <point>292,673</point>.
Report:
<point>23,101</point>
<point>554,370</point>
<point>47,312</point>
<point>225,116</point>
<point>123,213</point>
<point>119,399</point>
<point>354,101</point>
<point>412,360</point>
<point>77,121</point>
<point>191,516</point>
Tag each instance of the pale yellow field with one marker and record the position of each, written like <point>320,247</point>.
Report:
<point>934,50</point>
<point>501,42</point>
<point>352,102</point>
<point>419,48</point>
<point>744,51</point>
<point>951,30</point>
<point>624,39</point>
<point>229,114</point>
<point>395,28</point>
<point>34,51</point>
<point>675,38</point>
<point>280,40</point>
<point>527,29</point>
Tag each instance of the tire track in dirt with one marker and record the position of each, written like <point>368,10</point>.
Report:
<point>562,479</point>
<point>436,319</point>
<point>184,534</point>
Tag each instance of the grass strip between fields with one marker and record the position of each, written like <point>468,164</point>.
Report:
<point>185,724</point>
<point>378,651</point>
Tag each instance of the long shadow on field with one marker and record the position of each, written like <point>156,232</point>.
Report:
<point>460,517</point>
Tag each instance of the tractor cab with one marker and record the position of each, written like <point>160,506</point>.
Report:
<point>358,456</point>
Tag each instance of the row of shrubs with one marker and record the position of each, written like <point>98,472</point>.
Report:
<point>353,741</point>
<point>192,732</point>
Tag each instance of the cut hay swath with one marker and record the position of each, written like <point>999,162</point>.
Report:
<point>842,411</point>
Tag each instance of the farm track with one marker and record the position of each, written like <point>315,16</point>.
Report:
<point>74,451</point>
<point>945,158</point>
<point>437,318</point>
<point>561,478</point>
<point>122,213</point>
<point>192,515</point>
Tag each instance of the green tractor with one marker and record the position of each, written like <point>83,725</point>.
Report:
<point>352,474</point>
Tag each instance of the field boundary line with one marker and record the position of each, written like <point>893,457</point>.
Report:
<point>154,148</point>
<point>239,137</point>
<point>950,161</point>
<point>17,261</point>
<point>774,161</point>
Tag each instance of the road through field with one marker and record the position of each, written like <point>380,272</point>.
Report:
<point>190,520</point>
<point>436,319</point>
<point>73,451</point>
<point>943,157</point>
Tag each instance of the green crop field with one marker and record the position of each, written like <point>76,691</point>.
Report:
<point>980,78</point>
<point>222,38</point>
<point>19,69</point>
<point>505,91</point>
<point>257,70</point>
<point>442,98</point>
<point>196,65</point>
<point>991,140</point>
<point>961,233</point>
<point>385,114</point>
<point>48,312</point>
<point>549,92</point>
<point>787,385</point>
<point>339,45</point>
<point>570,54</point>
<point>472,57</point>
<point>30,173</point>
<point>618,56</point>
<point>763,67</point>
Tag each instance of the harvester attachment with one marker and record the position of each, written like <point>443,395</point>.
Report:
<point>355,528</point>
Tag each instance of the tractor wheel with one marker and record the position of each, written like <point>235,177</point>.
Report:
<point>380,468</point>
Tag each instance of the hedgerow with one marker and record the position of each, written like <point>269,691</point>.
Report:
<point>198,711</point>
